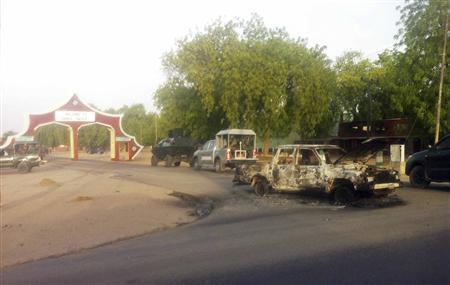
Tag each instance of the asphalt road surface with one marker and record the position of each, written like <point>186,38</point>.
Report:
<point>278,239</point>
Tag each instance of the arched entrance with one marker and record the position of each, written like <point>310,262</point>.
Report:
<point>75,114</point>
<point>53,140</point>
<point>95,138</point>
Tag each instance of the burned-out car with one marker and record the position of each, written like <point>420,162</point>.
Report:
<point>323,167</point>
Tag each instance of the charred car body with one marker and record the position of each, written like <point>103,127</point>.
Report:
<point>322,167</point>
<point>230,148</point>
<point>174,149</point>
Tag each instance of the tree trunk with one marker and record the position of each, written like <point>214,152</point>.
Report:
<point>266,145</point>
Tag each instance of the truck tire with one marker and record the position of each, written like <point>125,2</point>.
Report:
<point>195,164</point>
<point>343,195</point>
<point>218,165</point>
<point>154,160</point>
<point>261,188</point>
<point>417,177</point>
<point>168,160</point>
<point>24,167</point>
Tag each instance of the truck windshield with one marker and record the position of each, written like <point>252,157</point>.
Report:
<point>330,155</point>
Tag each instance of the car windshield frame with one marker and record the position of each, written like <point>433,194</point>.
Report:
<point>325,156</point>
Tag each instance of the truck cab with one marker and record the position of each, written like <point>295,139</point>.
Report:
<point>430,165</point>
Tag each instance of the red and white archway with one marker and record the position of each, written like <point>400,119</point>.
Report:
<point>76,114</point>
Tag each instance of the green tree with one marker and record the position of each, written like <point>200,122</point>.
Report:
<point>353,76</point>
<point>138,122</point>
<point>182,108</point>
<point>7,134</point>
<point>93,136</point>
<point>52,135</point>
<point>364,88</point>
<point>242,74</point>
<point>420,48</point>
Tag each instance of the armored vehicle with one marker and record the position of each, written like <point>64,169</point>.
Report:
<point>322,167</point>
<point>22,156</point>
<point>173,150</point>
<point>230,148</point>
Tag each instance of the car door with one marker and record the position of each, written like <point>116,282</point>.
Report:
<point>283,169</point>
<point>307,169</point>
<point>206,154</point>
<point>438,161</point>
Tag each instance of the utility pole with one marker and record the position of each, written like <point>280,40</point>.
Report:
<point>441,82</point>
<point>156,128</point>
<point>369,125</point>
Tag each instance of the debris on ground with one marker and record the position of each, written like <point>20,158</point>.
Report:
<point>203,206</point>
<point>314,199</point>
<point>82,198</point>
<point>378,202</point>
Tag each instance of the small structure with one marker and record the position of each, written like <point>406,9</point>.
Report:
<point>395,131</point>
<point>74,115</point>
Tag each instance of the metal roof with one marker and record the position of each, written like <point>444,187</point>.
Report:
<point>236,132</point>
<point>310,145</point>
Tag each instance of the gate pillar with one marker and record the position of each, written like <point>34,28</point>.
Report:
<point>74,142</point>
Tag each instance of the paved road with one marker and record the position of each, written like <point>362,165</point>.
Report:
<point>277,239</point>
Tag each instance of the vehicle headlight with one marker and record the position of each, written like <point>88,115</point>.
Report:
<point>370,179</point>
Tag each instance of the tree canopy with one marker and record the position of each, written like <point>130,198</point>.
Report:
<point>242,74</point>
<point>418,62</point>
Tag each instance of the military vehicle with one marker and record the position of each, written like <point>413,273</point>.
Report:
<point>21,156</point>
<point>173,149</point>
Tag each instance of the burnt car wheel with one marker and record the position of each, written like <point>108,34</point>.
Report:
<point>261,188</point>
<point>168,160</point>
<point>417,177</point>
<point>24,167</point>
<point>154,160</point>
<point>177,163</point>
<point>196,164</point>
<point>343,195</point>
<point>218,165</point>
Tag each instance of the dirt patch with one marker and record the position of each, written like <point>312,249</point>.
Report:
<point>82,198</point>
<point>46,182</point>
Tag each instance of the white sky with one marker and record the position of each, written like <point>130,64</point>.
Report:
<point>109,52</point>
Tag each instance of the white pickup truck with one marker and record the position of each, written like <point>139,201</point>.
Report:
<point>230,148</point>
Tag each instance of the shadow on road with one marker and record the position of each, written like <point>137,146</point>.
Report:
<point>320,198</point>
<point>442,187</point>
